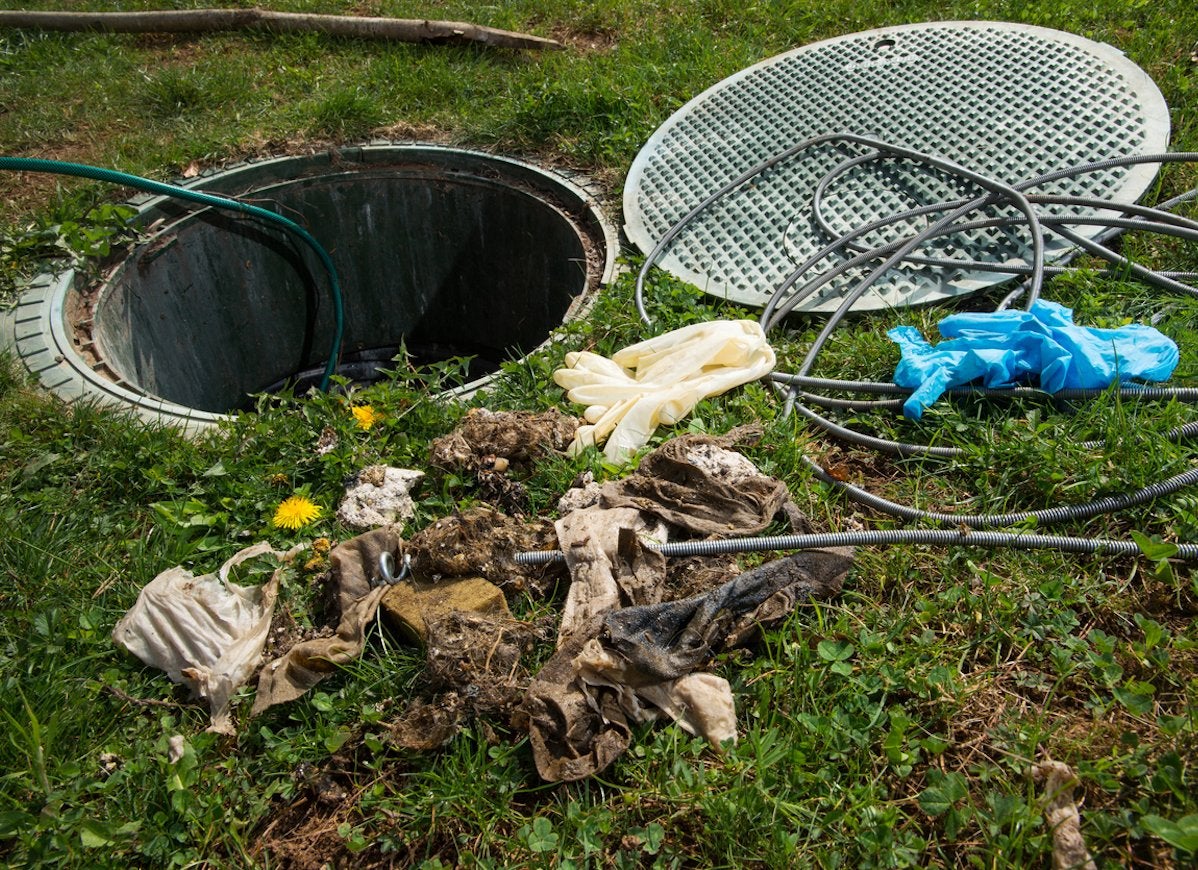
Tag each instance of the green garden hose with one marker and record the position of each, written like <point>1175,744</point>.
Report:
<point>96,173</point>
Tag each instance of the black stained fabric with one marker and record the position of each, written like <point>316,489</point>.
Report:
<point>622,650</point>
<point>674,638</point>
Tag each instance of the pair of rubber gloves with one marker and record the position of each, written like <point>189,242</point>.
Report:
<point>659,381</point>
<point>1004,348</point>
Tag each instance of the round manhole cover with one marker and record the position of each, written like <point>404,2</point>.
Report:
<point>443,251</point>
<point>1009,101</point>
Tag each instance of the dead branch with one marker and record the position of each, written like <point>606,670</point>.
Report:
<point>209,20</point>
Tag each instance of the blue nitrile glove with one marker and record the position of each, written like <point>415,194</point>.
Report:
<point>1004,348</point>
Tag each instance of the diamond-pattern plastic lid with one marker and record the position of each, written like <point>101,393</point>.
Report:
<point>1007,100</point>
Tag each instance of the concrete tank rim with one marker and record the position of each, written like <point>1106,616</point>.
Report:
<point>37,331</point>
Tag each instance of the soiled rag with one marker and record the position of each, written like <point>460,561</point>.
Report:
<point>1005,348</point>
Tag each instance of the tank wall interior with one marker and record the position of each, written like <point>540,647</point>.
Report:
<point>215,306</point>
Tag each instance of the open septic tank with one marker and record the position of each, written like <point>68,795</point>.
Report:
<point>441,251</point>
<point>454,253</point>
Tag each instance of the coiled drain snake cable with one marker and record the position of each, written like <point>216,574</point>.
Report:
<point>796,388</point>
<point>96,173</point>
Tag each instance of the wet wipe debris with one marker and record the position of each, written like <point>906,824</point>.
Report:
<point>629,654</point>
<point>636,664</point>
<point>205,632</point>
<point>636,631</point>
<point>1060,812</point>
<point>699,484</point>
<point>308,662</point>
<point>378,496</point>
<point>491,444</point>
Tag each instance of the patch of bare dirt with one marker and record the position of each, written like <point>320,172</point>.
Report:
<point>366,8</point>
<point>586,41</point>
<point>22,193</point>
<point>407,131</point>
<point>303,834</point>
<point>181,49</point>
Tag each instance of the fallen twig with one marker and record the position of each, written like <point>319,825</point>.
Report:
<point>141,702</point>
<point>208,20</point>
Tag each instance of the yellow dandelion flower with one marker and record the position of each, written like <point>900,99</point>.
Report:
<point>366,416</point>
<point>295,512</point>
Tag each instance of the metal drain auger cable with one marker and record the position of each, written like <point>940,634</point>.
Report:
<point>882,537</point>
<point>111,176</point>
<point>980,180</point>
<point>1044,516</point>
<point>1049,515</point>
<point>775,310</point>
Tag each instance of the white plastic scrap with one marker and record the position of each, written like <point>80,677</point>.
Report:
<point>205,632</point>
<point>660,381</point>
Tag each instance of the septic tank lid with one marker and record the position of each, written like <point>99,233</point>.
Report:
<point>1011,101</point>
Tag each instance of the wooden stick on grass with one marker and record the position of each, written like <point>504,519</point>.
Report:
<point>208,20</point>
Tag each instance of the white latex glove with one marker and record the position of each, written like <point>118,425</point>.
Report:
<point>660,381</point>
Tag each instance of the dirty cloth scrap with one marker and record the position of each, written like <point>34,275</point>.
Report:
<point>626,656</point>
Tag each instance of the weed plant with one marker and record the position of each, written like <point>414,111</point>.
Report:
<point>894,726</point>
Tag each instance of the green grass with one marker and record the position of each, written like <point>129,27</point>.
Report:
<point>894,726</point>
